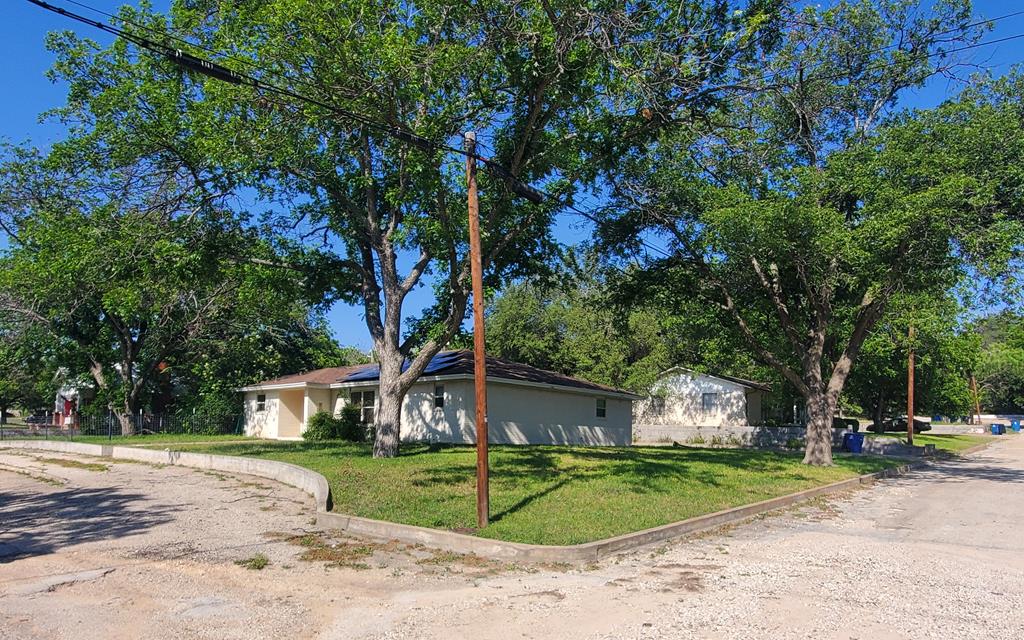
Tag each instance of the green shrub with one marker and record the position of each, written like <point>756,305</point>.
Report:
<point>349,426</point>
<point>794,443</point>
<point>322,426</point>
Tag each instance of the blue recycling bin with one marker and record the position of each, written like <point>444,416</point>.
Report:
<point>1015,426</point>
<point>853,442</point>
<point>998,429</point>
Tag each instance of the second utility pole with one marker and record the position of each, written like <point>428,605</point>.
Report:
<point>483,495</point>
<point>910,386</point>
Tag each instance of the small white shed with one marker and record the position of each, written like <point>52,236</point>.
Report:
<point>525,405</point>
<point>683,398</point>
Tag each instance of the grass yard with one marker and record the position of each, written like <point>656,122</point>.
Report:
<point>943,442</point>
<point>550,495</point>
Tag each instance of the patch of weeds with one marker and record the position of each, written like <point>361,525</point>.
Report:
<point>256,563</point>
<point>74,464</point>
<point>698,439</point>
<point>339,554</point>
<point>469,560</point>
<point>153,465</point>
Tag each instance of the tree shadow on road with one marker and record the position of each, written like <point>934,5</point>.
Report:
<point>35,523</point>
<point>975,468</point>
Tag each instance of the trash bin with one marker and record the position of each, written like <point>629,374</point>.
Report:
<point>853,442</point>
<point>998,429</point>
<point>1015,426</point>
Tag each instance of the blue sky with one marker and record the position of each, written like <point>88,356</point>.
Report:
<point>29,93</point>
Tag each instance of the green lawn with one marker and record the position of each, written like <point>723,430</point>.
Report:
<point>943,442</point>
<point>550,495</point>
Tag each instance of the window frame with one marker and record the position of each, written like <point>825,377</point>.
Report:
<point>601,408</point>
<point>707,407</point>
<point>367,412</point>
<point>261,402</point>
<point>439,396</point>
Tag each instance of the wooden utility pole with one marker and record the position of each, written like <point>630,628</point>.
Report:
<point>483,495</point>
<point>910,386</point>
<point>977,401</point>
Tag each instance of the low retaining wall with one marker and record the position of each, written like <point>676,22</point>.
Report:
<point>737,436</point>
<point>316,485</point>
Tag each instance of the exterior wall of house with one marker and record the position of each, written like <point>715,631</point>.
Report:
<point>517,414</point>
<point>755,399</point>
<point>678,400</point>
<point>423,422</point>
<point>261,424</point>
<point>316,400</point>
<point>525,415</point>
<point>290,418</point>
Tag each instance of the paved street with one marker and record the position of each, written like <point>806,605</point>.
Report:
<point>135,551</point>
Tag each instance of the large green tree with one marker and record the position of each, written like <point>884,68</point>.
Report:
<point>553,87</point>
<point>128,267</point>
<point>802,221</point>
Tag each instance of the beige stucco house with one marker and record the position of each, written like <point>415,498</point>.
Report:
<point>525,405</point>
<point>684,398</point>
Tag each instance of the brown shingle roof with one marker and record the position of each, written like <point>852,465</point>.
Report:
<point>317,376</point>
<point>448,363</point>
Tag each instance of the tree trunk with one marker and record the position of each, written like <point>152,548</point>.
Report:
<point>3,414</point>
<point>820,408</point>
<point>388,418</point>
<point>879,410</point>
<point>126,417</point>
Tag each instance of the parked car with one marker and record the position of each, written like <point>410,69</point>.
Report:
<point>37,418</point>
<point>899,424</point>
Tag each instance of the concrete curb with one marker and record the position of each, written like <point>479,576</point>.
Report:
<point>309,481</point>
<point>316,485</point>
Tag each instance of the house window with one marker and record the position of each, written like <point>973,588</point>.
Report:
<point>261,402</point>
<point>602,408</point>
<point>709,402</point>
<point>658,405</point>
<point>439,396</point>
<point>365,401</point>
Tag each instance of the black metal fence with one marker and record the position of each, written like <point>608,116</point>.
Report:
<point>110,426</point>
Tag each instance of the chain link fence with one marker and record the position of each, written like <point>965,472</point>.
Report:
<point>111,426</point>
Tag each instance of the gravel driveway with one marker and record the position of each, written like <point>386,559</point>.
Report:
<point>126,550</point>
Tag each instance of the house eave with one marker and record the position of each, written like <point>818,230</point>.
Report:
<point>491,379</point>
<point>755,387</point>
<point>284,386</point>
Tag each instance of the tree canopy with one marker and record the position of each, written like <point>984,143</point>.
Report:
<point>802,217</point>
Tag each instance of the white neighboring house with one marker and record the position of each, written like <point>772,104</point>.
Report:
<point>525,405</point>
<point>684,398</point>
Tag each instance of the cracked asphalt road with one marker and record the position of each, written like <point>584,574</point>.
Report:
<point>140,551</point>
